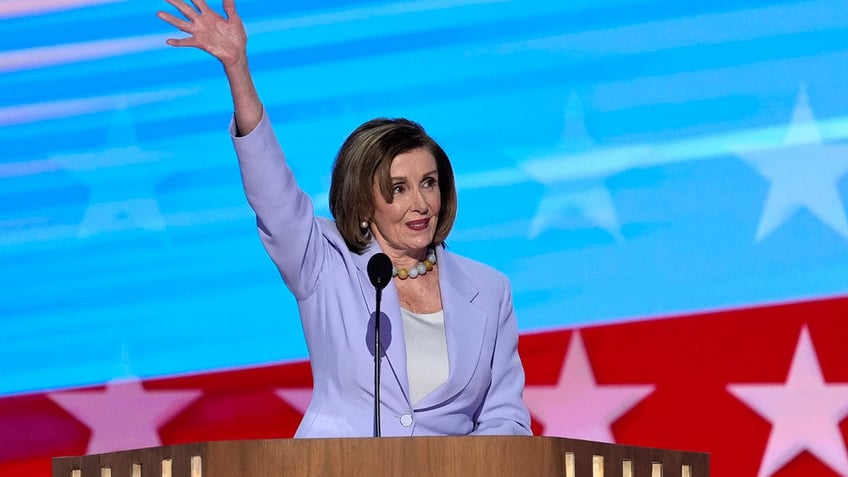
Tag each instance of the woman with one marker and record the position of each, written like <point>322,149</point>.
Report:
<point>448,328</point>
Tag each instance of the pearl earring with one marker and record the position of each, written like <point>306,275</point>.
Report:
<point>364,226</point>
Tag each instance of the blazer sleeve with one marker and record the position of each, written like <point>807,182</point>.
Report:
<point>503,411</point>
<point>288,228</point>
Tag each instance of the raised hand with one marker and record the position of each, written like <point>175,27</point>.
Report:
<point>225,39</point>
<point>222,37</point>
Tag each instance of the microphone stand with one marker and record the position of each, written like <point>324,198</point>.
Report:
<point>377,364</point>
<point>380,273</point>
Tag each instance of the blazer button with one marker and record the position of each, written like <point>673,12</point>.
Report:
<point>406,420</point>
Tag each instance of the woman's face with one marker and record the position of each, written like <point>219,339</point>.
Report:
<point>406,226</point>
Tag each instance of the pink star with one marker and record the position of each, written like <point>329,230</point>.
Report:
<point>297,398</point>
<point>804,412</point>
<point>124,415</point>
<point>576,406</point>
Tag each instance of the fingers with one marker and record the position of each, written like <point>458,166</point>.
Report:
<point>183,8</point>
<point>201,5</point>
<point>230,8</point>
<point>181,24</point>
<point>208,30</point>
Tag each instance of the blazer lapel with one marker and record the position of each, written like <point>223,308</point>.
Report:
<point>465,326</point>
<point>391,328</point>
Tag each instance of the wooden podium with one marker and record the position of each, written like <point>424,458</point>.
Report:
<point>495,456</point>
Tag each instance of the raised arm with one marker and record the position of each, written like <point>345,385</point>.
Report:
<point>224,38</point>
<point>285,216</point>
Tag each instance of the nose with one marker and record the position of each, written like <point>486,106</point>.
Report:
<point>419,201</point>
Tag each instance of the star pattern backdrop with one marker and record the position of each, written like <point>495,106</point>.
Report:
<point>665,183</point>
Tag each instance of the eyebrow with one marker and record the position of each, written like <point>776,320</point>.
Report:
<point>426,174</point>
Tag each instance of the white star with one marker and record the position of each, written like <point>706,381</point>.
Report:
<point>805,412</point>
<point>122,179</point>
<point>297,398</point>
<point>592,200</point>
<point>574,178</point>
<point>576,406</point>
<point>124,415</point>
<point>803,174</point>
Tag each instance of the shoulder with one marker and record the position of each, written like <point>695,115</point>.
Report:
<point>328,224</point>
<point>331,233</point>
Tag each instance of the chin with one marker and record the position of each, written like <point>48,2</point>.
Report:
<point>421,244</point>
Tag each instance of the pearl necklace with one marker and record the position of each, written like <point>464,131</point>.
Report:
<point>418,270</point>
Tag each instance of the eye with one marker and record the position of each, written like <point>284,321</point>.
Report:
<point>430,182</point>
<point>398,188</point>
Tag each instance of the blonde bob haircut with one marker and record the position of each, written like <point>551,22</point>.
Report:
<point>365,159</point>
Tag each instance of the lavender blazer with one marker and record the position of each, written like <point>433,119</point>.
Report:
<point>336,301</point>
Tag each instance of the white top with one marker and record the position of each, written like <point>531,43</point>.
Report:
<point>426,352</point>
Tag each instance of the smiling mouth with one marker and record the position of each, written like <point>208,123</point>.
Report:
<point>418,224</point>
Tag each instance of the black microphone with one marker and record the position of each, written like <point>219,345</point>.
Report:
<point>379,272</point>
